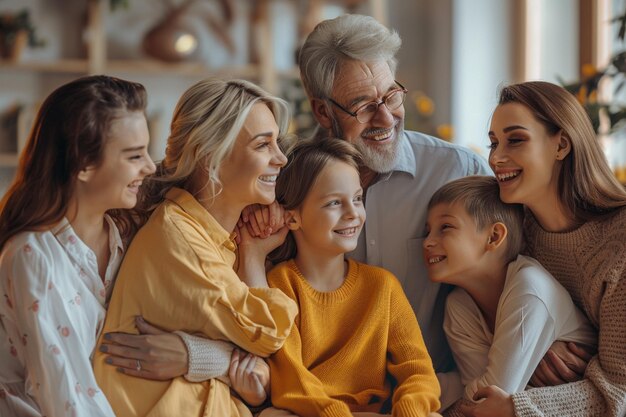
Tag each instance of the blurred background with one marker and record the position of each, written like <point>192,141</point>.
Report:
<point>455,56</point>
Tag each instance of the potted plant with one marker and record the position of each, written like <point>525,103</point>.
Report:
<point>17,31</point>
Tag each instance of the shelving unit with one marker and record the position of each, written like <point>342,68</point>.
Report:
<point>97,61</point>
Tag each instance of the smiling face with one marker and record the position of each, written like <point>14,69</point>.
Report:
<point>331,217</point>
<point>454,249</point>
<point>114,183</point>
<point>524,156</point>
<point>356,84</point>
<point>248,174</point>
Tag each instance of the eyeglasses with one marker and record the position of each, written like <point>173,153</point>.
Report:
<point>392,100</point>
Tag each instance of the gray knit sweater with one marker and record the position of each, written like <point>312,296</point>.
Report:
<point>591,263</point>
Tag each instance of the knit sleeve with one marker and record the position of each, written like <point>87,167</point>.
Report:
<point>417,391</point>
<point>603,390</point>
<point>207,358</point>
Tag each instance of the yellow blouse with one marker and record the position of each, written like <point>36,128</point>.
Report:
<point>178,274</point>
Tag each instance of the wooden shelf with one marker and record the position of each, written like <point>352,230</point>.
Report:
<point>69,66</point>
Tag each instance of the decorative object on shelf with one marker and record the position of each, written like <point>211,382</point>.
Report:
<point>16,32</point>
<point>173,39</point>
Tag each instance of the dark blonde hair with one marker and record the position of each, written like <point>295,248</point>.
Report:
<point>68,135</point>
<point>305,161</point>
<point>586,185</point>
<point>480,197</point>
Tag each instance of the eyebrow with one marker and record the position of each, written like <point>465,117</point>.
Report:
<point>363,98</point>
<point>509,129</point>
<point>134,148</point>
<point>259,135</point>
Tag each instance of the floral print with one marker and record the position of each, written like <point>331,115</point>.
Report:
<point>52,310</point>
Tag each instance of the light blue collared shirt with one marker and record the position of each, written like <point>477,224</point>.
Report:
<point>394,230</point>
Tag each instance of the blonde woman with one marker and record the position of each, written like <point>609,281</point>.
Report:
<point>222,155</point>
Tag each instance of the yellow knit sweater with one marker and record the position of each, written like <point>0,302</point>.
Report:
<point>350,348</point>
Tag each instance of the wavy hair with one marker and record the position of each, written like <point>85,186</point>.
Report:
<point>586,185</point>
<point>347,37</point>
<point>68,135</point>
<point>207,120</point>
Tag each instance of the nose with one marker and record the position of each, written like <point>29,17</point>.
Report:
<point>350,211</point>
<point>496,156</point>
<point>429,242</point>
<point>149,167</point>
<point>279,157</point>
<point>384,116</point>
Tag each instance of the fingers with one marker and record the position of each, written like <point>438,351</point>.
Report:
<point>123,339</point>
<point>563,370</point>
<point>146,328</point>
<point>585,353</point>
<point>549,375</point>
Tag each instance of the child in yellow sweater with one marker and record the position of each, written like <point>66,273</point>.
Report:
<point>356,346</point>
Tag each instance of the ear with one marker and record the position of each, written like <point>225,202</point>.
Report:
<point>321,112</point>
<point>564,146</point>
<point>85,174</point>
<point>292,219</point>
<point>497,236</point>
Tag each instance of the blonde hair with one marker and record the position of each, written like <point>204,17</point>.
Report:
<point>480,197</point>
<point>207,119</point>
<point>586,185</point>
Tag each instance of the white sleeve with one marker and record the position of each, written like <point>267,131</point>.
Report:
<point>521,339</point>
<point>466,336</point>
<point>59,376</point>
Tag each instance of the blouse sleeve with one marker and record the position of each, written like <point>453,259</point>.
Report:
<point>59,374</point>
<point>198,291</point>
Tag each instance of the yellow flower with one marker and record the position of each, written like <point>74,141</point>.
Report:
<point>588,70</point>
<point>424,105</point>
<point>582,94</point>
<point>445,132</point>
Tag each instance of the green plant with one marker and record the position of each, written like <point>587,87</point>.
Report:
<point>586,89</point>
<point>11,24</point>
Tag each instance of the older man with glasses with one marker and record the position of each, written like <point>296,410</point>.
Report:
<point>347,66</point>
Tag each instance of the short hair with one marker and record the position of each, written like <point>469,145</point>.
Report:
<point>586,185</point>
<point>347,37</point>
<point>305,161</point>
<point>480,197</point>
<point>206,122</point>
<point>68,135</point>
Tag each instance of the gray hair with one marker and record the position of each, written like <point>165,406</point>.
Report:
<point>347,37</point>
<point>206,122</point>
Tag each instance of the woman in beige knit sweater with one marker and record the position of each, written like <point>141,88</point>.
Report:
<point>545,155</point>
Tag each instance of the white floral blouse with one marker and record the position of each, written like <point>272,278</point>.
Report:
<point>51,313</point>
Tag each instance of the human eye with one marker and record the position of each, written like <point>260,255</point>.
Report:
<point>368,108</point>
<point>358,198</point>
<point>332,203</point>
<point>514,141</point>
<point>394,98</point>
<point>492,145</point>
<point>263,144</point>
<point>446,226</point>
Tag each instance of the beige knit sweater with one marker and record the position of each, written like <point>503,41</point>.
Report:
<point>591,263</point>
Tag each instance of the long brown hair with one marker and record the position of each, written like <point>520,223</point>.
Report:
<point>68,135</point>
<point>586,185</point>
<point>305,161</point>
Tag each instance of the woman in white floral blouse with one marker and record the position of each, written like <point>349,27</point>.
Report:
<point>61,246</point>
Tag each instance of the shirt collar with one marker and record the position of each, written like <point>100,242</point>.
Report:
<point>191,206</point>
<point>406,158</point>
